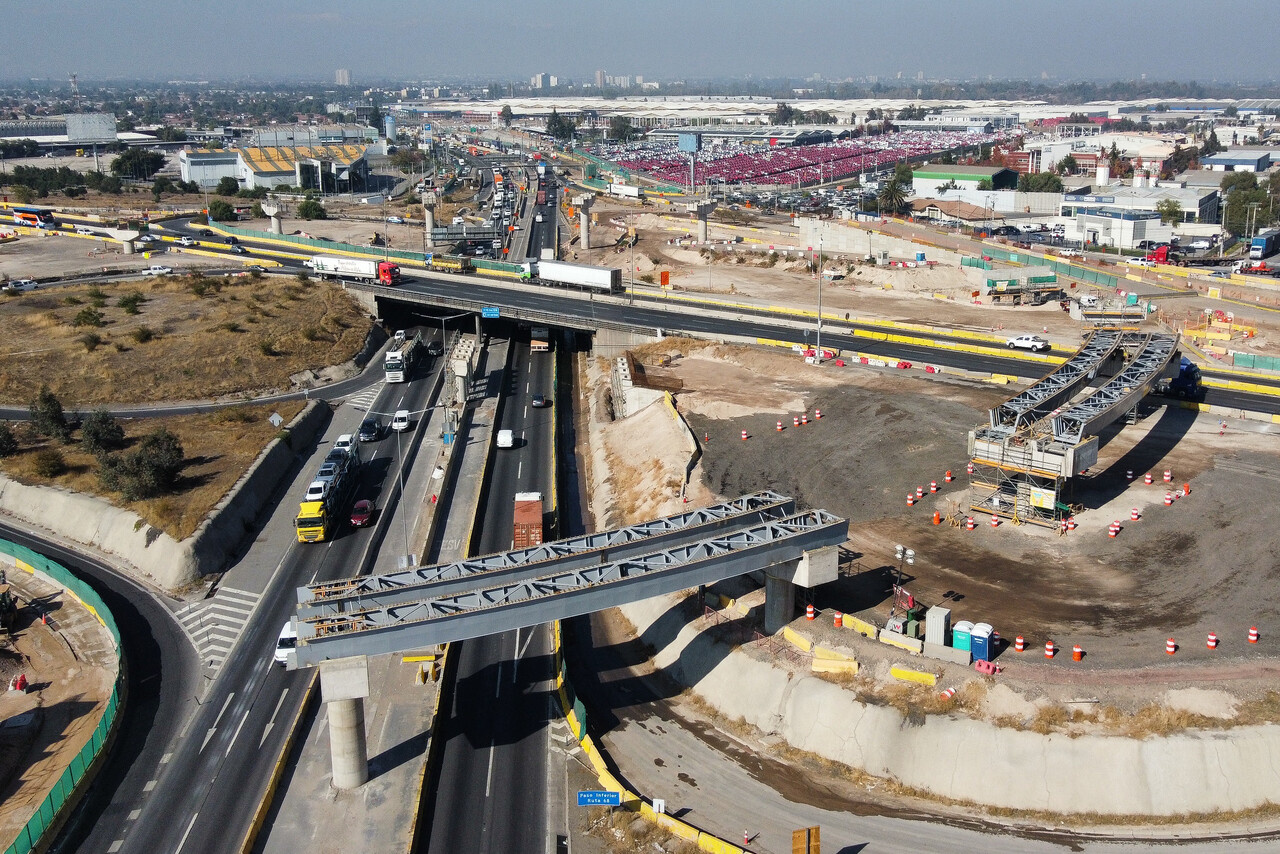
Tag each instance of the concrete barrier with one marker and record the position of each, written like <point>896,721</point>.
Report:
<point>902,642</point>
<point>947,653</point>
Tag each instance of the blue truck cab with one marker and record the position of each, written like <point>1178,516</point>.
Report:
<point>1186,385</point>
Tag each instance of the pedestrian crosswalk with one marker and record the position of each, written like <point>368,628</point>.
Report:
<point>364,400</point>
<point>214,624</point>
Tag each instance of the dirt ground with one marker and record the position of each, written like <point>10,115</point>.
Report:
<point>43,729</point>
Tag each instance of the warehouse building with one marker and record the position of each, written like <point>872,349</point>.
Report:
<point>328,168</point>
<point>931,179</point>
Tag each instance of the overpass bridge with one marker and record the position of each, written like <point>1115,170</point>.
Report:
<point>1039,438</point>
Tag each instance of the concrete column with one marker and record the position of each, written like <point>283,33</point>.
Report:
<point>430,224</point>
<point>127,247</point>
<point>584,227</point>
<point>277,227</point>
<point>348,747</point>
<point>702,230</point>
<point>779,602</point>
<point>272,210</point>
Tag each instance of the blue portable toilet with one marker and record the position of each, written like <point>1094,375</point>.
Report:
<point>920,257</point>
<point>980,642</point>
<point>960,635</point>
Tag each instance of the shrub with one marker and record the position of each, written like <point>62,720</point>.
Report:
<point>647,278</point>
<point>88,316</point>
<point>48,462</point>
<point>8,441</point>
<point>91,341</point>
<point>73,301</point>
<point>231,326</point>
<point>310,333</point>
<point>131,302</point>
<point>101,432</point>
<point>47,417</point>
<point>266,349</point>
<point>149,471</point>
<point>143,334</point>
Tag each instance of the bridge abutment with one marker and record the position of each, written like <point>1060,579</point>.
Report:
<point>779,600</point>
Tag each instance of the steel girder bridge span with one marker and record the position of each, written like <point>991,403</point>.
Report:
<point>340,624</point>
<point>1041,437</point>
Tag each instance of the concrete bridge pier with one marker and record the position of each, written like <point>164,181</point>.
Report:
<point>819,566</point>
<point>272,210</point>
<point>701,210</point>
<point>583,204</point>
<point>344,683</point>
<point>429,217</point>
<point>127,247</point>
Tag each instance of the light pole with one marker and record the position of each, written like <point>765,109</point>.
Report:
<point>818,352</point>
<point>404,505</point>
<point>907,556</point>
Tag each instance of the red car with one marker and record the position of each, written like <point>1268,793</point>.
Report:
<point>362,513</point>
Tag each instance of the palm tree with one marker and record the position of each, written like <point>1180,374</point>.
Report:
<point>893,197</point>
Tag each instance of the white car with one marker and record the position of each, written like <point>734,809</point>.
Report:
<point>1034,343</point>
<point>158,270</point>
<point>1140,262</point>
<point>1202,243</point>
<point>20,285</point>
<point>186,241</point>
<point>400,421</point>
<point>287,641</point>
<point>146,238</point>
<point>395,220</point>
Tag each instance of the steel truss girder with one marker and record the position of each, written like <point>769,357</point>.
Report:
<point>1036,401</point>
<point>1122,392</point>
<point>413,625</point>
<point>590,549</point>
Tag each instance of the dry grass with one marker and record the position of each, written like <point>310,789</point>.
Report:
<point>218,446</point>
<point>1150,720</point>
<point>211,337</point>
<point>624,831</point>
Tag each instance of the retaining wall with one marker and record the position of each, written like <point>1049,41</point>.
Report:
<point>1192,772</point>
<point>149,551</point>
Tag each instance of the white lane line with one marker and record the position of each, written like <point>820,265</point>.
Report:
<point>313,577</point>
<point>151,784</point>
<point>236,735</point>
<point>488,782</point>
<point>526,412</point>
<point>523,649</point>
<point>183,841</point>
<point>133,814</point>
<point>272,722</point>
<point>165,758</point>
<point>519,469</point>
<point>115,846</point>
<point>209,734</point>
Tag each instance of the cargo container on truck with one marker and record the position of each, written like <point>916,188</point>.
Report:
<point>626,191</point>
<point>1264,245</point>
<point>528,520</point>
<point>362,269</point>
<point>400,357</point>
<point>539,339</point>
<point>604,279</point>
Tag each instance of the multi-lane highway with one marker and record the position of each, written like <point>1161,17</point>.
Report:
<point>491,791</point>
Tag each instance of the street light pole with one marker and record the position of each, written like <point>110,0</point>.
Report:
<point>818,356</point>
<point>908,556</point>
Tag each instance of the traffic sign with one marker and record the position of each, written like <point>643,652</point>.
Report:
<point>489,311</point>
<point>599,799</point>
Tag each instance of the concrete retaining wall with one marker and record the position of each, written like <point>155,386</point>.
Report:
<point>148,551</point>
<point>1194,772</point>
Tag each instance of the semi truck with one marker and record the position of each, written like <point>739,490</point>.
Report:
<point>626,191</point>
<point>606,279</point>
<point>1186,385</point>
<point>1264,244</point>
<point>361,269</point>
<point>539,339</point>
<point>528,520</point>
<point>400,357</point>
<point>322,509</point>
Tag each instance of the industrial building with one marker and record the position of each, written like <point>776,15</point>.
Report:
<point>1240,160</point>
<point>328,168</point>
<point>965,121</point>
<point>927,180</point>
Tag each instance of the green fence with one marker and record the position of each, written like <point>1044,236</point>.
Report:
<point>47,813</point>
<point>1253,360</point>
<point>976,263</point>
<point>1063,268</point>
<point>324,247</point>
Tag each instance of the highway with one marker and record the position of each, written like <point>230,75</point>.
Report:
<point>491,791</point>
<point>202,794</point>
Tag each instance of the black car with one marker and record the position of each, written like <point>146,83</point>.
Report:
<point>257,268</point>
<point>370,429</point>
<point>231,240</point>
<point>204,232</point>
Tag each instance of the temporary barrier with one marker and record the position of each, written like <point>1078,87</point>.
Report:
<point>1147,479</point>
<point>911,499</point>
<point>1048,649</point>
<point>937,518</point>
<point>969,468</point>
<point>1133,515</point>
<point>1168,476</point>
<point>970,524</point>
<point>1019,644</point>
<point>1168,499</point>
<point>1170,647</point>
<point>1212,641</point>
<point>1077,654</point>
<point>1071,523</point>
<point>795,421</point>
<point>1253,634</point>
<point>779,426</point>
<point>804,419</point>
<point>744,435</point>
<point>948,694</point>
<point>995,521</point>
<point>947,476</point>
<point>933,486</point>
<point>1128,475</point>
<point>838,621</point>
<point>809,612</point>
<point>919,492</point>
<point>817,413</point>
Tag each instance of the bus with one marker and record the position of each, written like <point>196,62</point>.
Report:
<point>1264,245</point>
<point>33,217</point>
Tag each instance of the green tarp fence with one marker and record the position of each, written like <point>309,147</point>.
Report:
<point>1253,360</point>
<point>46,814</point>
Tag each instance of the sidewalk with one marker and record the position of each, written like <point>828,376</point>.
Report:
<point>380,816</point>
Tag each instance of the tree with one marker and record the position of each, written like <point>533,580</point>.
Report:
<point>137,163</point>
<point>150,470</point>
<point>220,211</point>
<point>1244,181</point>
<point>311,209</point>
<point>783,114</point>
<point>101,433</point>
<point>505,115</point>
<point>8,441</point>
<point>1230,112</point>
<point>1170,211</point>
<point>620,128</point>
<point>559,127</point>
<point>23,194</point>
<point>48,418</point>
<point>1067,165</point>
<point>893,196</point>
<point>1043,182</point>
<point>1211,144</point>
<point>227,186</point>
<point>985,184</point>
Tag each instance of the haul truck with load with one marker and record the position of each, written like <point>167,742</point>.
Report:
<point>361,269</point>
<point>604,279</point>
<point>324,505</point>
<point>528,520</point>
<point>400,357</point>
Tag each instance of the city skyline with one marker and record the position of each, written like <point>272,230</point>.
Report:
<point>1075,40</point>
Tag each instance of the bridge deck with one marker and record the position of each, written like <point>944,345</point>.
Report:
<point>1152,354</point>
<point>1048,393</point>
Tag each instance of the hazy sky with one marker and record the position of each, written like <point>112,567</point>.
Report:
<point>660,39</point>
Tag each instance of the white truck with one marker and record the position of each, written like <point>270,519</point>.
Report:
<point>604,279</point>
<point>400,357</point>
<point>158,270</point>
<point>626,191</point>
<point>361,269</point>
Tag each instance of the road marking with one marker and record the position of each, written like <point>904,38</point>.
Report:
<point>235,735</point>
<point>151,784</point>
<point>183,841</point>
<point>115,846</point>
<point>526,412</point>
<point>523,650</point>
<point>272,722</point>
<point>313,576</point>
<point>488,782</point>
<point>213,625</point>
<point>133,815</point>
<point>519,469</point>
<point>164,759</point>
<point>208,735</point>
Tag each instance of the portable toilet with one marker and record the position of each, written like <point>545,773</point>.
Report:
<point>980,642</point>
<point>960,635</point>
<point>920,258</point>
<point>937,621</point>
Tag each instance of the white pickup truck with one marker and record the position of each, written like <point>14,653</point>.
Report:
<point>158,270</point>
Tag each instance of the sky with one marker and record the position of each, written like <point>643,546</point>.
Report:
<point>380,40</point>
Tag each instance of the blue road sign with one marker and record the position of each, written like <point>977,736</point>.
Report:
<point>489,311</point>
<point>599,799</point>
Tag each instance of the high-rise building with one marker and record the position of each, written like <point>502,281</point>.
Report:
<point>600,78</point>
<point>539,81</point>
<point>342,77</point>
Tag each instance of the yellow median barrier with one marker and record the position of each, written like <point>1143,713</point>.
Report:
<point>796,639</point>
<point>917,676</point>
